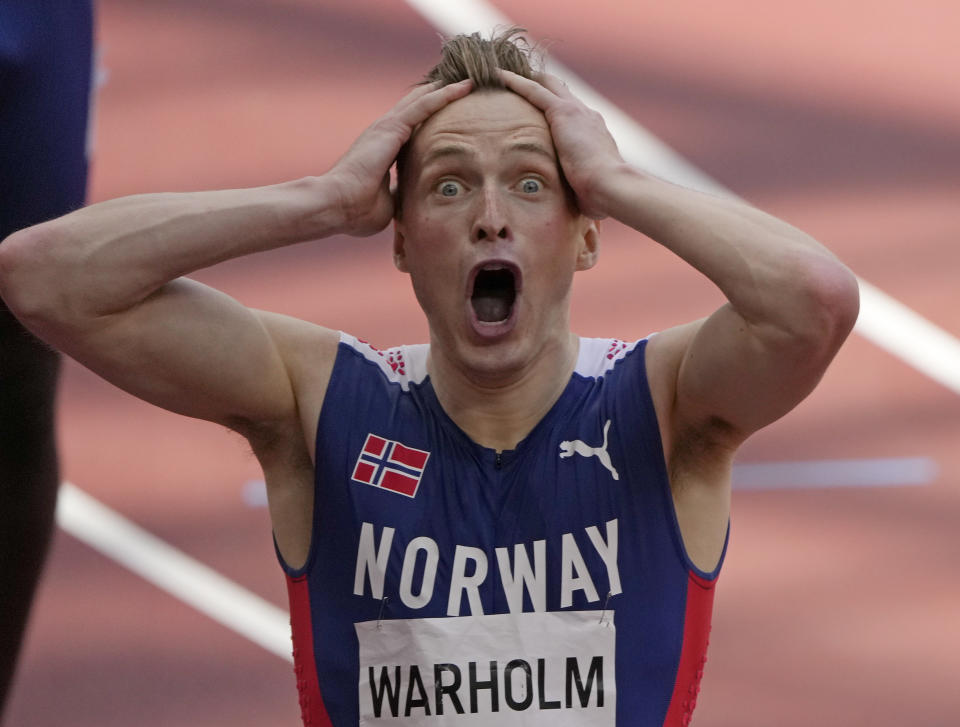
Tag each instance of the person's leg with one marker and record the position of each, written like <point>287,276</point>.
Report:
<point>28,480</point>
<point>45,65</point>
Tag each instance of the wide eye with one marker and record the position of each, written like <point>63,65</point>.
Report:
<point>449,188</point>
<point>530,185</point>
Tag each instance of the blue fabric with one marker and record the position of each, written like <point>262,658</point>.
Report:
<point>466,498</point>
<point>45,71</point>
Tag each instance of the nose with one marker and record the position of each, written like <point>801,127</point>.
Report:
<point>491,220</point>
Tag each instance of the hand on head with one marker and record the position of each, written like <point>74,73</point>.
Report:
<point>362,175</point>
<point>586,150</point>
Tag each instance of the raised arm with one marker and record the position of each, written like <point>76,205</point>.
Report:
<point>104,284</point>
<point>791,304</point>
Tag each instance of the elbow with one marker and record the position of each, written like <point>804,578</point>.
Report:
<point>838,295</point>
<point>27,274</point>
<point>830,305</point>
<point>16,252</point>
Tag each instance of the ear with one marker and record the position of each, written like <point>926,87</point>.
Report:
<point>399,252</point>
<point>589,243</point>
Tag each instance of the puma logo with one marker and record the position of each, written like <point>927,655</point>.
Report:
<point>568,449</point>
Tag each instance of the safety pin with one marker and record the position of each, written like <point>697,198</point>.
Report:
<point>380,616</point>
<point>604,611</point>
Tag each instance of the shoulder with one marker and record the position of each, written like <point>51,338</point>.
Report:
<point>320,359</point>
<point>665,354</point>
<point>651,364</point>
<point>403,365</point>
<point>682,430</point>
<point>308,352</point>
<point>599,356</point>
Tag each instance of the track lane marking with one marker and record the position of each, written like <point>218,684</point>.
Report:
<point>173,571</point>
<point>835,473</point>
<point>884,321</point>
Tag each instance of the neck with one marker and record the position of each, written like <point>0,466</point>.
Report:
<point>497,410</point>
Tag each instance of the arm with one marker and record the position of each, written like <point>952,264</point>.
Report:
<point>790,306</point>
<point>104,283</point>
<point>791,302</point>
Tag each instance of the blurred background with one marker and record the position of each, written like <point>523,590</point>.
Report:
<point>839,602</point>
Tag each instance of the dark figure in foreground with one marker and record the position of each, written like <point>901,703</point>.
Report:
<point>510,521</point>
<point>45,62</point>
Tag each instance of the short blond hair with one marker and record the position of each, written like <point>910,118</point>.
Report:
<point>477,58</point>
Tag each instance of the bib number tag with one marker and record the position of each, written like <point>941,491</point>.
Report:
<point>533,669</point>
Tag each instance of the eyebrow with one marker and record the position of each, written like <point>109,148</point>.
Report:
<point>533,147</point>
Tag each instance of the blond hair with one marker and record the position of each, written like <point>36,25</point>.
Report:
<point>477,58</point>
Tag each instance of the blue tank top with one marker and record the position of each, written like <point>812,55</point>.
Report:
<point>414,524</point>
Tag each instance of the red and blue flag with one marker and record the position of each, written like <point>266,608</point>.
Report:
<point>390,465</point>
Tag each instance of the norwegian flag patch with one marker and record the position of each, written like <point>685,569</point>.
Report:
<point>390,465</point>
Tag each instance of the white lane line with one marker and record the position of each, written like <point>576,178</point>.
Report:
<point>908,335</point>
<point>884,321</point>
<point>175,572</point>
<point>255,493</point>
<point>883,472</point>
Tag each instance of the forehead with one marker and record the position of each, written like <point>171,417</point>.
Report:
<point>483,118</point>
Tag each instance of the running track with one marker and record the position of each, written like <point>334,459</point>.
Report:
<point>837,605</point>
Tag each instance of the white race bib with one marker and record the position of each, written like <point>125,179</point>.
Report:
<point>551,669</point>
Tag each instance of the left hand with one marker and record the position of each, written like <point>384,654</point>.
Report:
<point>587,152</point>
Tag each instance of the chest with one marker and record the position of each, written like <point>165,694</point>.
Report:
<point>451,529</point>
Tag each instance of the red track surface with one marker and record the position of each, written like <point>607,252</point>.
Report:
<point>836,607</point>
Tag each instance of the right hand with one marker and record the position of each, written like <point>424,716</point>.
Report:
<point>362,175</point>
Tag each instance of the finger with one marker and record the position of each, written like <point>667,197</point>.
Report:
<point>555,84</point>
<point>429,103</point>
<point>536,93</point>
<point>417,92</point>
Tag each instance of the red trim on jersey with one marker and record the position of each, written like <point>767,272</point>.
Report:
<point>693,657</point>
<point>312,709</point>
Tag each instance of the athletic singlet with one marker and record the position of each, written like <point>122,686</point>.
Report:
<point>447,583</point>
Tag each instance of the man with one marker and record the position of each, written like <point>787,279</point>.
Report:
<point>45,63</point>
<point>512,524</point>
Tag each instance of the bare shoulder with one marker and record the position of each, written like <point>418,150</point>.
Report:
<point>692,440</point>
<point>664,356</point>
<point>308,352</point>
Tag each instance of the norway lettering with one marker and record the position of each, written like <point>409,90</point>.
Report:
<point>470,568</point>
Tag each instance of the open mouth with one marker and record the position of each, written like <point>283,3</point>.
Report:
<point>494,292</point>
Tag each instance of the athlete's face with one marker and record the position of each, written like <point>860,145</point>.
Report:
<point>487,233</point>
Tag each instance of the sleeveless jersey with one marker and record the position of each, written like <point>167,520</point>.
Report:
<point>447,583</point>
